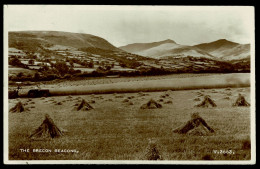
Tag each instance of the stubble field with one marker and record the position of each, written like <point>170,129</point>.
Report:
<point>117,129</point>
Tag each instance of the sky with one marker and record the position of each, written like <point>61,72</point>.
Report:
<point>122,25</point>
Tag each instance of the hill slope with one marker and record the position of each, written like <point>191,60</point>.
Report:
<point>76,40</point>
<point>163,49</point>
<point>70,47</point>
<point>138,47</point>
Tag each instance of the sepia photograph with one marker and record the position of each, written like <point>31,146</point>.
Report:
<point>129,84</point>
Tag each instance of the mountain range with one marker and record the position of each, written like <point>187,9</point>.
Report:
<point>221,49</point>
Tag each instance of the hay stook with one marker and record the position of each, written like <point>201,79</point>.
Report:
<point>18,108</point>
<point>196,126</point>
<point>207,102</point>
<point>197,99</point>
<point>151,105</point>
<point>84,106</point>
<point>168,102</point>
<point>152,152</point>
<point>241,101</point>
<point>47,129</point>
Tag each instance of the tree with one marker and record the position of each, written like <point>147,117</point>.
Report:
<point>108,68</point>
<point>19,75</point>
<point>44,68</point>
<point>123,65</point>
<point>62,67</point>
<point>102,64</point>
<point>36,76</point>
<point>15,61</point>
<point>91,64</point>
<point>112,65</point>
<point>31,62</point>
<point>100,69</point>
<point>71,63</point>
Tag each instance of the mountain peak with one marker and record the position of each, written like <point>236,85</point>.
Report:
<point>224,41</point>
<point>216,44</point>
<point>168,41</point>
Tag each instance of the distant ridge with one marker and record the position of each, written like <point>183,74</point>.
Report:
<point>208,47</point>
<point>226,50</point>
<point>222,49</point>
<point>136,47</point>
<point>164,48</point>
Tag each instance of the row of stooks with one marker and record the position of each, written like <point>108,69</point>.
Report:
<point>48,128</point>
<point>241,101</point>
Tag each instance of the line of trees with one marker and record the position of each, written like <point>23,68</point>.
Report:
<point>14,61</point>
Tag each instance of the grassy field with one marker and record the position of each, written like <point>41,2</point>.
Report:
<point>14,71</point>
<point>117,130</point>
<point>119,85</point>
<point>94,81</point>
<point>102,80</point>
<point>214,81</point>
<point>90,81</point>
